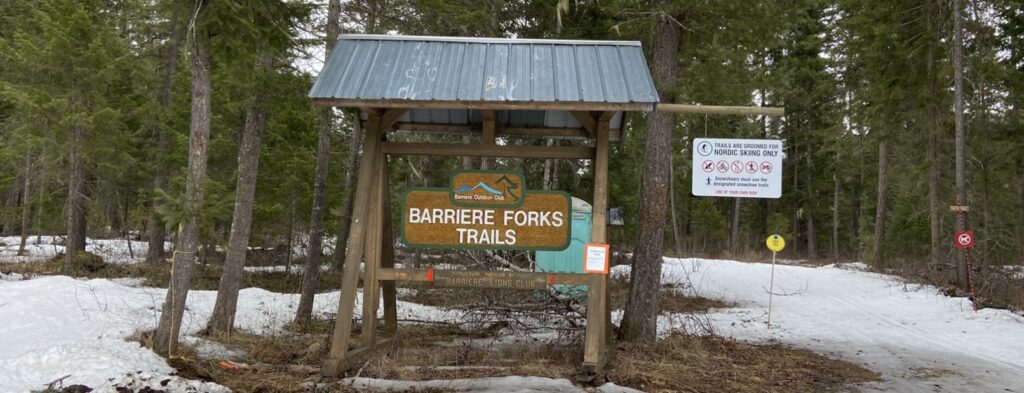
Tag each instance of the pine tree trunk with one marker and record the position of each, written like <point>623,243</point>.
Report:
<point>961,141</point>
<point>734,228</point>
<point>75,241</point>
<point>223,318</point>
<point>934,173</point>
<point>676,236</point>
<point>1020,207</point>
<point>304,313</point>
<point>26,204</point>
<point>157,230</point>
<point>796,209</point>
<point>309,279</point>
<point>639,322</point>
<point>351,176</point>
<point>835,217</point>
<point>810,204</point>
<point>166,337</point>
<point>877,257</point>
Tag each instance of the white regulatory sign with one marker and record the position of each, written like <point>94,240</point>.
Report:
<point>742,168</point>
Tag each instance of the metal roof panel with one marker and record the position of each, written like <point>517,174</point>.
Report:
<point>482,70</point>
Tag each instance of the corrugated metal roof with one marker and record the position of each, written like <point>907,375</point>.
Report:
<point>451,72</point>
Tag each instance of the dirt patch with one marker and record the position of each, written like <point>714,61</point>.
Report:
<point>670,299</point>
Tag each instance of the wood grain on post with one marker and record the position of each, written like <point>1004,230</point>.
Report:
<point>387,255</point>
<point>371,288</point>
<point>336,362</point>
<point>595,342</point>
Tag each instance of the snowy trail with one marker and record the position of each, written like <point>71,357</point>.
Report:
<point>917,338</point>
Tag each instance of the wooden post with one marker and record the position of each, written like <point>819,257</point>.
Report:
<point>596,341</point>
<point>387,253</point>
<point>371,287</point>
<point>336,362</point>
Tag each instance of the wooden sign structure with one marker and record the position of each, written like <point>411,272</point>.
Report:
<point>371,235</point>
<point>513,88</point>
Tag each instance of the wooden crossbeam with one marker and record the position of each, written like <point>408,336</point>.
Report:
<point>480,150</point>
<point>424,275</point>
<point>571,133</point>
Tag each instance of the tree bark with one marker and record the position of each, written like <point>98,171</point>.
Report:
<point>166,337</point>
<point>961,141</point>
<point>835,217</point>
<point>639,322</point>
<point>734,228</point>
<point>223,318</point>
<point>877,257</point>
<point>351,176</point>
<point>810,204</point>
<point>75,241</point>
<point>309,279</point>
<point>934,173</point>
<point>676,236</point>
<point>304,313</point>
<point>26,204</point>
<point>157,230</point>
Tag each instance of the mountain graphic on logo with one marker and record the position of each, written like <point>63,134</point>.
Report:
<point>487,188</point>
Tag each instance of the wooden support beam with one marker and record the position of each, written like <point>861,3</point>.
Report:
<point>391,116</point>
<point>374,246</point>
<point>335,363</point>
<point>489,128</point>
<point>387,255</point>
<point>458,129</point>
<point>478,150</point>
<point>597,335</point>
<point>722,110</point>
<point>421,275</point>
<point>586,120</point>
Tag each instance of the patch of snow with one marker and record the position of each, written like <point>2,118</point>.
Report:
<point>11,276</point>
<point>510,384</point>
<point>875,320</point>
<point>140,381</point>
<point>56,325</point>
<point>40,248</point>
<point>207,349</point>
<point>295,269</point>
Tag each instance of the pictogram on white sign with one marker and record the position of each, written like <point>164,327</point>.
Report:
<point>744,168</point>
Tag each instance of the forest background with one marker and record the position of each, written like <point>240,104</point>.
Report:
<point>96,104</point>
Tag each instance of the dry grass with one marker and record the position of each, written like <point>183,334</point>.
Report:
<point>670,300</point>
<point>705,364</point>
<point>678,363</point>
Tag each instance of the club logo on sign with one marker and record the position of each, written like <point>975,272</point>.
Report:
<point>964,240</point>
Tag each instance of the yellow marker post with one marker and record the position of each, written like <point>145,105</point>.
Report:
<point>775,243</point>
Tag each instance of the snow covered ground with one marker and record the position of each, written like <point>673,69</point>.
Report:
<point>45,247</point>
<point>917,338</point>
<point>54,326</point>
